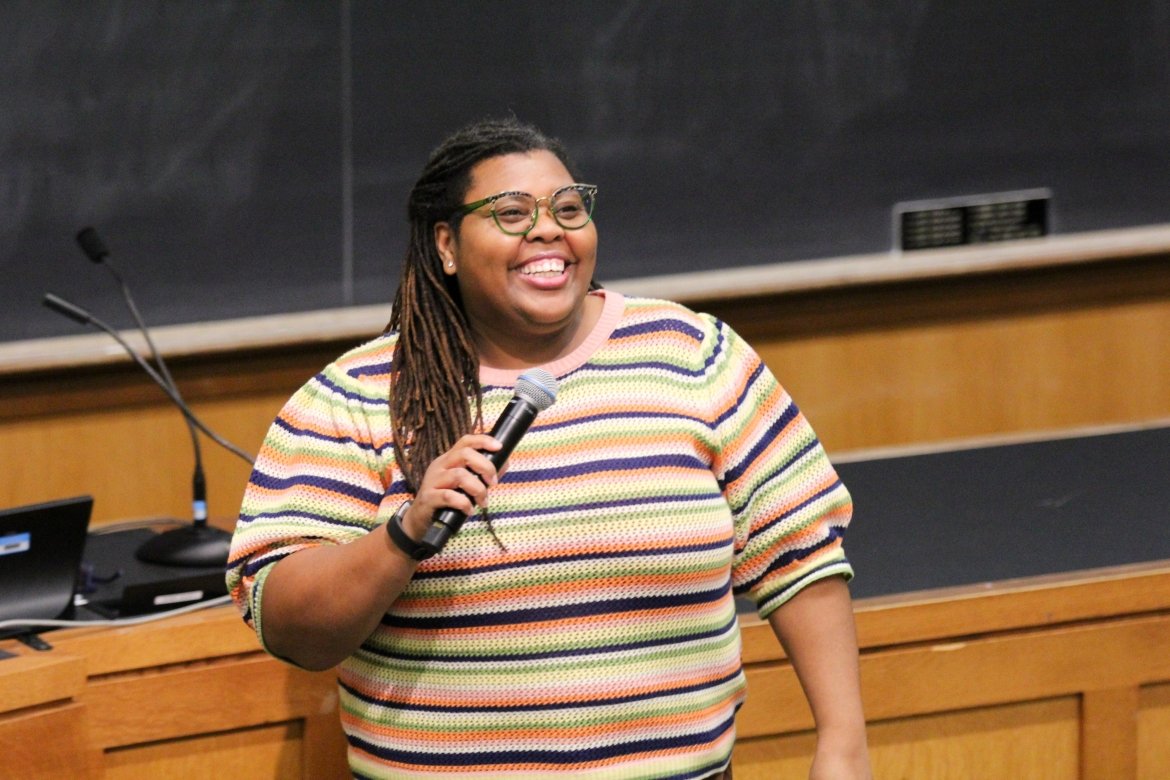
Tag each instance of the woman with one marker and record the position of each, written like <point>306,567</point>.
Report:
<point>583,619</point>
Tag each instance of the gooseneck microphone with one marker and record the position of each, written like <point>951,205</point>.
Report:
<point>536,390</point>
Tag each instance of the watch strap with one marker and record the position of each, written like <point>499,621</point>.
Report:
<point>400,538</point>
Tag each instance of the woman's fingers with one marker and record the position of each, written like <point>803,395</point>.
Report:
<point>460,477</point>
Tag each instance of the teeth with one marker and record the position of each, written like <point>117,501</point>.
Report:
<point>549,266</point>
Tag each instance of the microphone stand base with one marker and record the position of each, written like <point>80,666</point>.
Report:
<point>198,544</point>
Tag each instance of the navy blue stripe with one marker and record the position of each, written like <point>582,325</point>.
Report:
<point>558,612</point>
<point>337,389</point>
<point>269,482</point>
<point>597,418</point>
<point>280,422</point>
<point>664,460</point>
<point>295,514</point>
<point>258,562</point>
<point>557,757</point>
<point>797,585</point>
<point>734,472</point>
<point>371,369</point>
<point>791,557</point>
<point>668,368</point>
<point>571,653</point>
<point>778,473</point>
<point>664,325</point>
<point>747,388</point>
<point>780,518</point>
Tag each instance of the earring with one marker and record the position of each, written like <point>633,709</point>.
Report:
<point>450,263</point>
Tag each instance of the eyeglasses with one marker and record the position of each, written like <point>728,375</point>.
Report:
<point>516,213</point>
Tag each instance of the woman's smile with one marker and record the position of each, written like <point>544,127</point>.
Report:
<point>547,271</point>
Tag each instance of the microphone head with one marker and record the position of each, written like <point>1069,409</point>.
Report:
<point>92,244</point>
<point>538,387</point>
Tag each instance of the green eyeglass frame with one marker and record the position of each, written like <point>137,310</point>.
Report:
<point>588,194</point>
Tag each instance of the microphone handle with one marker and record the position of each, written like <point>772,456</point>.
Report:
<point>511,426</point>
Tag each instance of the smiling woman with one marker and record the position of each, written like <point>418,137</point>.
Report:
<point>587,624</point>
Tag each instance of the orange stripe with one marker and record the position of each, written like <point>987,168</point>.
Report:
<point>520,594</point>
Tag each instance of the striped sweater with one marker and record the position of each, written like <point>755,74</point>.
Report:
<point>601,639</point>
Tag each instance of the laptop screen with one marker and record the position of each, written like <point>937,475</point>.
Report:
<point>41,547</point>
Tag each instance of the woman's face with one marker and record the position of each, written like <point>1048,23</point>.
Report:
<point>516,288</point>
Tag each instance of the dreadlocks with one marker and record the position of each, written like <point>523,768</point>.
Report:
<point>436,367</point>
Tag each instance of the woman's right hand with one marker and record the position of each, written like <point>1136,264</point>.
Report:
<point>458,479</point>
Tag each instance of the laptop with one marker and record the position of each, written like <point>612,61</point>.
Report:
<point>41,547</point>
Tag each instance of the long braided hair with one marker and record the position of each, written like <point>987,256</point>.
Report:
<point>436,366</point>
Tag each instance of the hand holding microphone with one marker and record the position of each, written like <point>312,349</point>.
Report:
<point>536,390</point>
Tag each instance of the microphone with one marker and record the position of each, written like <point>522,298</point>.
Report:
<point>536,390</point>
<point>92,244</point>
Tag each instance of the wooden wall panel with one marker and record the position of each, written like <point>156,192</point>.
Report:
<point>269,751</point>
<point>136,461</point>
<point>203,698</point>
<point>47,744</point>
<point>872,365</point>
<point>1153,732</point>
<point>33,680</point>
<point>952,380</point>
<point>1082,692</point>
<point>1030,739</point>
<point>1109,732</point>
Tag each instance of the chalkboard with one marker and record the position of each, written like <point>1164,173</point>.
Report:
<point>244,158</point>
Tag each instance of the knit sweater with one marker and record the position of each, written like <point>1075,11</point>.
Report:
<point>598,635</point>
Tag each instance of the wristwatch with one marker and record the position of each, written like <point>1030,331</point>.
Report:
<point>401,540</point>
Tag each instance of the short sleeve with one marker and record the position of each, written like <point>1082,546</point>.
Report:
<point>789,507</point>
<point>324,475</point>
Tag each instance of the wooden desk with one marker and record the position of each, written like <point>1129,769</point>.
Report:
<point>186,697</point>
<point>1065,676</point>
<point>1062,677</point>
